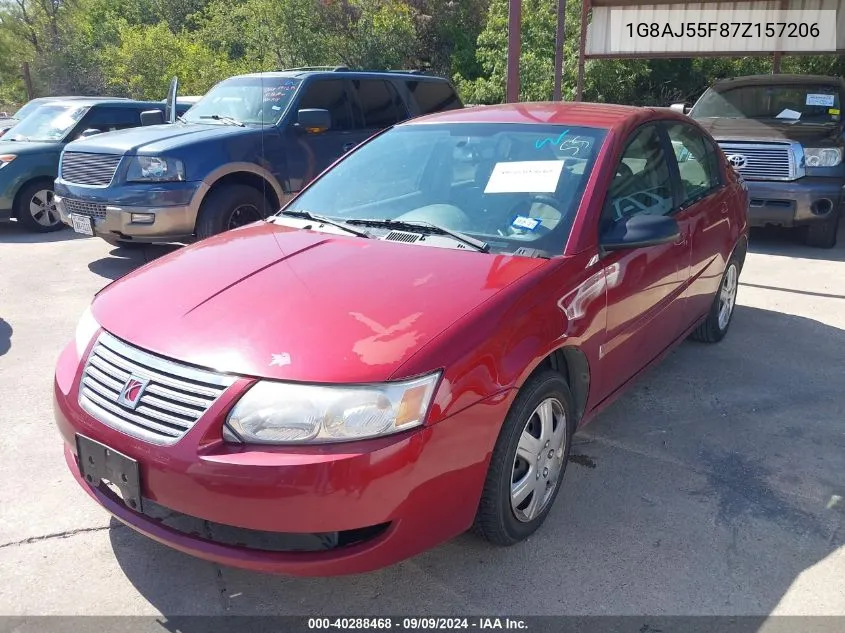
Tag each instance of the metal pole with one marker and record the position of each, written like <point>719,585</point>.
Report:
<point>776,63</point>
<point>514,51</point>
<point>559,39</point>
<point>582,46</point>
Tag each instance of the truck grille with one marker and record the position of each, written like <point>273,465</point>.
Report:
<point>174,398</point>
<point>91,209</point>
<point>82,168</point>
<point>764,161</point>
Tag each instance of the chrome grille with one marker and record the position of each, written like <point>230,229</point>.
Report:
<point>83,168</point>
<point>91,209</point>
<point>765,161</point>
<point>175,397</point>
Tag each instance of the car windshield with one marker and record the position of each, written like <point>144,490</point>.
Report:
<point>51,122</point>
<point>789,102</point>
<point>510,185</point>
<point>27,109</point>
<point>245,100</point>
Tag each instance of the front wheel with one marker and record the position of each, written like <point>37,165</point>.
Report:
<point>35,208</point>
<point>822,234</point>
<point>230,207</point>
<point>528,462</point>
<point>715,326</point>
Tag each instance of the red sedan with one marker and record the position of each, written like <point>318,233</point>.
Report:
<point>405,350</point>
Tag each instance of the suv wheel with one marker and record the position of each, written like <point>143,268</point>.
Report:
<point>823,234</point>
<point>35,208</point>
<point>230,207</point>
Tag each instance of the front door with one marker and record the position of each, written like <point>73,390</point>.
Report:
<point>644,285</point>
<point>309,154</point>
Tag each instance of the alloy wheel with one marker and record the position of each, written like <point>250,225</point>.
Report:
<point>42,207</point>
<point>727,296</point>
<point>243,215</point>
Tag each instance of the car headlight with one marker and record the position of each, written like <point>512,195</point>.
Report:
<point>155,169</point>
<point>290,413</point>
<point>85,331</point>
<point>5,159</point>
<point>822,156</point>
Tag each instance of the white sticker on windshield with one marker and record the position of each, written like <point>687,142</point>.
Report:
<point>789,114</point>
<point>529,176</point>
<point>825,101</point>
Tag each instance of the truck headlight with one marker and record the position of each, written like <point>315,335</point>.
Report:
<point>822,156</point>
<point>85,331</point>
<point>5,159</point>
<point>292,413</point>
<point>155,169</point>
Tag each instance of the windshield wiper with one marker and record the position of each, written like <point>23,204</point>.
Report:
<point>307,215</point>
<point>228,120</point>
<point>481,247</point>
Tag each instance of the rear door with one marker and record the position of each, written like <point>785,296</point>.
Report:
<point>377,105</point>
<point>704,210</point>
<point>309,154</point>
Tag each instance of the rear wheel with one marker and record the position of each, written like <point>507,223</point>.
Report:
<point>230,207</point>
<point>35,208</point>
<point>718,320</point>
<point>823,234</point>
<point>528,462</point>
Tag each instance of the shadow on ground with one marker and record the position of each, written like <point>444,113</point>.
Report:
<point>122,260</point>
<point>706,489</point>
<point>14,233</point>
<point>774,240</point>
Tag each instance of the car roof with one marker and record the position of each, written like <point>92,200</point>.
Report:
<point>775,80</point>
<point>340,73</point>
<point>111,101</point>
<point>599,115</point>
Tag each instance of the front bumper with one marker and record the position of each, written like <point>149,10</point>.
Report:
<point>132,214</point>
<point>405,493</point>
<point>793,203</point>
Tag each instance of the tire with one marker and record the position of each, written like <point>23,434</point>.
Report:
<point>823,234</point>
<point>35,208</point>
<point>229,207</point>
<point>500,519</point>
<point>715,326</point>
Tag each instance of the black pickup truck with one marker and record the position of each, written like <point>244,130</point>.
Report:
<point>784,134</point>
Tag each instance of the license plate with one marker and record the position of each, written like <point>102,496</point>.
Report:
<point>82,224</point>
<point>100,464</point>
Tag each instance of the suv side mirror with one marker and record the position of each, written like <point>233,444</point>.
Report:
<point>640,231</point>
<point>314,120</point>
<point>152,117</point>
<point>683,108</point>
<point>90,132</point>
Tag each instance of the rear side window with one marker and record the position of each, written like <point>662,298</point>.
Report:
<point>380,103</point>
<point>434,96</point>
<point>331,95</point>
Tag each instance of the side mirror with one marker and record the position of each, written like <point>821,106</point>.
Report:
<point>90,132</point>
<point>683,108</point>
<point>314,120</point>
<point>152,117</point>
<point>640,231</point>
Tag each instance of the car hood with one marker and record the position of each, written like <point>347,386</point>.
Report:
<point>280,303</point>
<point>24,147</point>
<point>769,130</point>
<point>156,139</point>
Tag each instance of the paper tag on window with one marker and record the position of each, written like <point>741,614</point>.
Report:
<point>820,100</point>
<point>524,222</point>
<point>834,111</point>
<point>530,176</point>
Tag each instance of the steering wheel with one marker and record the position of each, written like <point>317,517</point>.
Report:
<point>623,170</point>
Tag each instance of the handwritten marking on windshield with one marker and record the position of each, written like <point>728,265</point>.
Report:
<point>551,141</point>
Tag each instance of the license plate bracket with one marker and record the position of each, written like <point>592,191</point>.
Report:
<point>100,464</point>
<point>82,224</point>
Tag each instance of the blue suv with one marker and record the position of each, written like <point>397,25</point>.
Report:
<point>239,154</point>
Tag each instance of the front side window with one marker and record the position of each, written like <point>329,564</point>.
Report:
<point>331,95</point>
<point>697,164</point>
<point>51,122</point>
<point>510,185</point>
<point>643,182</point>
<point>247,100</point>
<point>790,102</point>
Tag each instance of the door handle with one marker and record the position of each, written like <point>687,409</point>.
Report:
<point>349,146</point>
<point>724,208</point>
<point>682,240</point>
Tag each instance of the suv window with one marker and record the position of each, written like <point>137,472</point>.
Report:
<point>697,161</point>
<point>380,104</point>
<point>434,96</point>
<point>643,182</point>
<point>331,95</point>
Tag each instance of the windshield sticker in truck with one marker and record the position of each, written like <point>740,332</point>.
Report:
<point>529,176</point>
<point>820,100</point>
<point>833,111</point>
<point>789,114</point>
